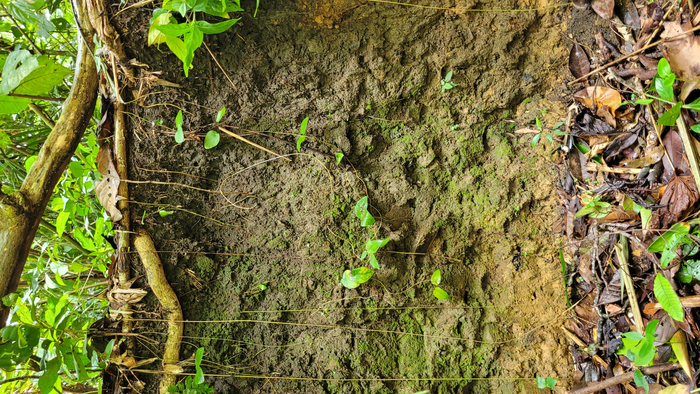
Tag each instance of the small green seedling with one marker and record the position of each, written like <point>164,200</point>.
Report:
<point>640,381</point>
<point>361,211</point>
<point>556,130</point>
<point>163,213</point>
<point>639,348</point>
<point>356,277</point>
<point>263,286</point>
<point>339,157</point>
<point>371,247</point>
<point>302,133</point>
<point>193,385</point>
<point>439,293</point>
<point>220,114</point>
<point>548,382</point>
<point>212,139</point>
<point>446,83</point>
<point>180,134</point>
<point>596,209</point>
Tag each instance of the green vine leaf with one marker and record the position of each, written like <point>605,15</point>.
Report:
<point>436,278</point>
<point>356,277</point>
<point>440,294</point>
<point>212,139</point>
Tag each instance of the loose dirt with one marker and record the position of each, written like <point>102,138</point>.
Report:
<point>449,181</point>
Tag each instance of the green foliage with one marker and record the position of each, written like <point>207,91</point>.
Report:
<point>362,212</point>
<point>338,158</point>
<point>302,133</point>
<point>667,297</point>
<point>670,239</point>
<point>371,247</point>
<point>639,348</point>
<point>689,270</point>
<point>356,277</point>
<point>438,293</point>
<point>640,381</point>
<point>184,38</point>
<point>220,114</point>
<point>196,384</point>
<point>669,117</point>
<point>548,382</point>
<point>212,139</point>
<point>436,278</point>
<point>446,83</point>
<point>556,130</point>
<point>596,209</point>
<point>179,134</point>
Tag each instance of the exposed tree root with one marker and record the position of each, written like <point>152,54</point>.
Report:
<point>161,288</point>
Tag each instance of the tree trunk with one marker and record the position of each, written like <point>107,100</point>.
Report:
<point>20,212</point>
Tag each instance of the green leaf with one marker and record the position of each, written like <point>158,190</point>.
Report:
<point>356,277</point>
<point>695,127</point>
<point>644,101</point>
<point>666,257</point>
<point>550,382</point>
<point>12,105</point>
<point>639,378</point>
<point>373,261</point>
<point>50,376</point>
<point>689,270</point>
<point>80,367</point>
<point>216,28</point>
<point>300,139</point>
<point>595,209</point>
<point>178,47</point>
<point>646,217</point>
<point>28,162</point>
<point>436,278</point>
<point>24,12</point>
<point>535,139</point>
<point>669,117</point>
<point>211,140</point>
<point>338,157</point>
<point>174,29</point>
<point>670,238</point>
<point>160,17</point>
<point>541,383</point>
<point>10,299</point>
<point>372,246</point>
<point>180,134</point>
<point>193,40</point>
<point>220,114</point>
<point>19,64</point>
<point>61,221</point>
<point>695,105</point>
<point>667,297</point>
<point>665,92</point>
<point>42,80</point>
<point>361,211</point>
<point>664,68</point>
<point>199,376</point>
<point>163,213</point>
<point>440,294</point>
<point>538,123</point>
<point>302,133</point>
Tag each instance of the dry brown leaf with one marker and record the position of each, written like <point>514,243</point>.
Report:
<point>579,65</point>
<point>107,189</point>
<point>604,8</point>
<point>619,215</point>
<point>674,147</point>
<point>596,97</point>
<point>653,156</point>
<point>679,196</point>
<point>682,53</point>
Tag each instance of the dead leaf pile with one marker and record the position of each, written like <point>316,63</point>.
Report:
<point>629,200</point>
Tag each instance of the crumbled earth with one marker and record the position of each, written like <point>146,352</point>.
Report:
<point>448,180</point>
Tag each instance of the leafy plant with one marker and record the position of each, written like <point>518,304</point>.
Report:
<point>339,157</point>
<point>446,83</point>
<point>212,139</point>
<point>639,348</point>
<point>362,213</point>
<point>439,293</point>
<point>356,277</point>
<point>548,382</point>
<point>663,85</point>
<point>371,247</point>
<point>302,133</point>
<point>166,29</point>
<point>669,242</point>
<point>179,134</point>
<point>595,208</point>
<point>640,381</point>
<point>196,384</point>
<point>556,130</point>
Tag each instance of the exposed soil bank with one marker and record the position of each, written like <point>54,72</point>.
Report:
<point>447,179</point>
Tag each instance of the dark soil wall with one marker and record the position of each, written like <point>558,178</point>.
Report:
<point>449,182</point>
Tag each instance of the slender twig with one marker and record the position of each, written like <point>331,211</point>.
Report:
<point>217,63</point>
<point>40,113</point>
<point>624,378</point>
<point>29,96</point>
<point>234,135</point>
<point>285,141</point>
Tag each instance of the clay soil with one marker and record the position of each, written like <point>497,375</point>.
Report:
<point>448,179</point>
